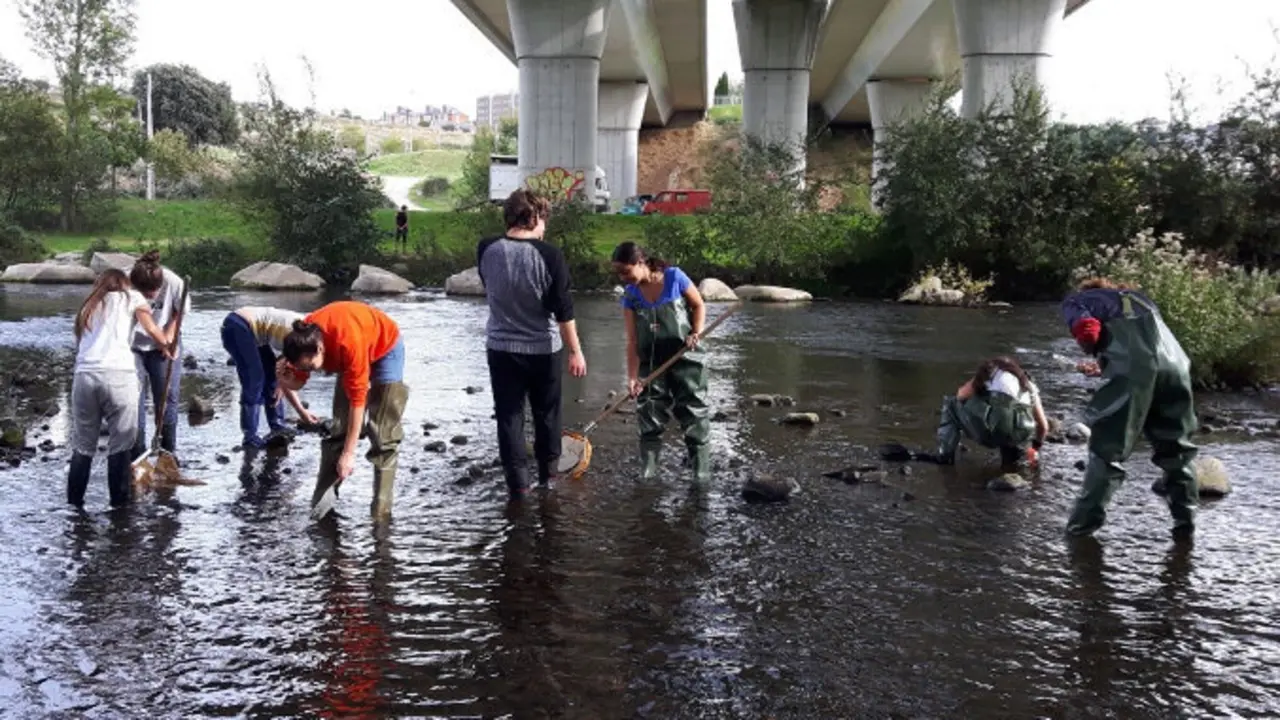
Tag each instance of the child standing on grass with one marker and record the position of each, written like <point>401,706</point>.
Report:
<point>105,384</point>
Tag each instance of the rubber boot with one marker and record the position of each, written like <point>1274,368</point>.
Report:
<point>517,482</point>
<point>78,478</point>
<point>1101,480</point>
<point>169,437</point>
<point>948,431</point>
<point>120,479</point>
<point>650,458</point>
<point>700,460</point>
<point>249,413</point>
<point>386,408</point>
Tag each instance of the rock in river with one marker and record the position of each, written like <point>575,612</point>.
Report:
<point>465,283</point>
<point>1211,476</point>
<point>48,274</point>
<point>103,261</point>
<point>1009,482</point>
<point>275,276</point>
<point>765,487</point>
<point>376,281</point>
<point>1078,434</point>
<point>771,293</point>
<point>800,419</point>
<point>712,290</point>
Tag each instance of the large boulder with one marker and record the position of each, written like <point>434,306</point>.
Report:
<point>376,281</point>
<point>770,293</point>
<point>466,282</point>
<point>275,276</point>
<point>48,273</point>
<point>712,290</point>
<point>67,258</point>
<point>103,261</point>
<point>929,291</point>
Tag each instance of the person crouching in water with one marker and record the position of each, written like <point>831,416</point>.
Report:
<point>664,312</point>
<point>363,346</point>
<point>252,336</point>
<point>105,384</point>
<point>163,288</point>
<point>1146,390</point>
<point>999,408</point>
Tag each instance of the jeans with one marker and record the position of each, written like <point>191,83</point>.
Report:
<point>255,365</point>
<point>390,367</point>
<point>152,366</point>
<point>538,377</point>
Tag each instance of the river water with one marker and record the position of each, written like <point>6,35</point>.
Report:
<point>609,598</point>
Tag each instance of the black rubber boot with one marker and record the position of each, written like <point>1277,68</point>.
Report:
<point>78,478</point>
<point>169,437</point>
<point>120,479</point>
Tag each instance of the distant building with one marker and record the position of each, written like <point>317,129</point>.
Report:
<point>491,109</point>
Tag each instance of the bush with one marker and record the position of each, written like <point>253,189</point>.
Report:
<point>308,193</point>
<point>391,146</point>
<point>1216,310</point>
<point>434,186</point>
<point>352,138</point>
<point>567,229</point>
<point>97,245</point>
<point>16,246</point>
<point>210,262</point>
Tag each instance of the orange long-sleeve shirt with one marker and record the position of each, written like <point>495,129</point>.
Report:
<point>355,336</point>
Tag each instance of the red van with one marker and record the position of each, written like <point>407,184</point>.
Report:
<point>678,202</point>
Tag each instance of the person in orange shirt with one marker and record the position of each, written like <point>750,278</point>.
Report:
<point>363,346</point>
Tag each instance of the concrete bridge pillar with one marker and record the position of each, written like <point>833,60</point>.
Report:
<point>891,102</point>
<point>618,137</point>
<point>1001,42</point>
<point>777,39</point>
<point>558,44</point>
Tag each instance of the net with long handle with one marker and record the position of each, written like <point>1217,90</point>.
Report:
<point>575,447</point>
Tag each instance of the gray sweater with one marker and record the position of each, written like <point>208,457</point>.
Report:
<point>527,285</point>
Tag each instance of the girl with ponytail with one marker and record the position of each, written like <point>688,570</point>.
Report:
<point>163,289</point>
<point>362,345</point>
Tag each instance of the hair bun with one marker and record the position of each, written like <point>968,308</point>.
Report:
<point>150,256</point>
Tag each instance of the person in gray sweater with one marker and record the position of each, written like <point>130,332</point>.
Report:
<point>530,326</point>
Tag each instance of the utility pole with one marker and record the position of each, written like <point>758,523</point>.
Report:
<point>151,168</point>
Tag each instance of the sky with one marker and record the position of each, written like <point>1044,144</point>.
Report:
<point>1112,58</point>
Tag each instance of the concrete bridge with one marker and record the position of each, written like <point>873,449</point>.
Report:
<point>593,72</point>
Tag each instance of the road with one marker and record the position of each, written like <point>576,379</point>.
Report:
<point>397,188</point>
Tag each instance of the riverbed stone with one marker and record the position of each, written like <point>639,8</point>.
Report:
<point>103,261</point>
<point>436,446</point>
<point>929,291</point>
<point>713,290</point>
<point>276,276</point>
<point>466,283</point>
<point>12,434</point>
<point>800,419</point>
<point>771,293</point>
<point>1211,476</point>
<point>373,280</point>
<point>1009,482</point>
<point>1078,434</point>
<point>768,487</point>
<point>48,273</point>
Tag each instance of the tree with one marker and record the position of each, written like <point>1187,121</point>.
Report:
<point>188,102</point>
<point>173,157</point>
<point>473,186</point>
<point>306,190</point>
<point>508,140</point>
<point>722,86</point>
<point>30,147</point>
<point>88,42</point>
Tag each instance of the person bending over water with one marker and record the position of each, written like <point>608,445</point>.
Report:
<point>664,312</point>
<point>363,346</point>
<point>252,336</point>
<point>1146,390</point>
<point>998,408</point>
<point>105,385</point>
<point>163,288</point>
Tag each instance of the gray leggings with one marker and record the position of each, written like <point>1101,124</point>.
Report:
<point>110,395</point>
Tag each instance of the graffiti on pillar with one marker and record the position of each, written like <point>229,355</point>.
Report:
<point>557,184</point>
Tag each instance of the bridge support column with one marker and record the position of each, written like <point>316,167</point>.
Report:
<point>558,45</point>
<point>777,39</point>
<point>1001,43</point>
<point>618,137</point>
<point>891,102</point>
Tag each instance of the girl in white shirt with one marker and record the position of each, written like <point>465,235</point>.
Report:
<point>1000,409</point>
<point>105,384</point>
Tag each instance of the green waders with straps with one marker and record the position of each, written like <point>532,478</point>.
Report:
<point>1146,390</point>
<point>680,391</point>
<point>993,420</point>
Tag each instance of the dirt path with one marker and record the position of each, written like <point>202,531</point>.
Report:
<point>397,188</point>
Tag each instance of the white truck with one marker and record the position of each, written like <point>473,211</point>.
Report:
<point>504,179</point>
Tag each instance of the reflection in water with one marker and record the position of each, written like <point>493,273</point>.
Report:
<point>611,598</point>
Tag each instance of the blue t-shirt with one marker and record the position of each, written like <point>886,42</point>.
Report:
<point>674,283</point>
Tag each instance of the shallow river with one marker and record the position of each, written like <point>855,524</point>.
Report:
<point>609,598</point>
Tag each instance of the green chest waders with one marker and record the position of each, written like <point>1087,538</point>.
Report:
<point>1146,390</point>
<point>994,420</point>
<point>681,391</point>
